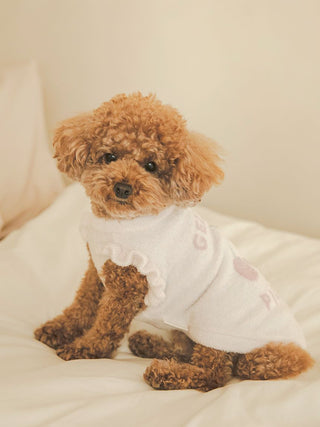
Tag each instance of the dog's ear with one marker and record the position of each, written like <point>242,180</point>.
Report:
<point>71,145</point>
<point>196,170</point>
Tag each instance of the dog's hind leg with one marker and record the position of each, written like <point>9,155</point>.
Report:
<point>209,369</point>
<point>173,375</point>
<point>145,344</point>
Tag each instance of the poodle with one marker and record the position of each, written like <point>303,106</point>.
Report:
<point>152,257</point>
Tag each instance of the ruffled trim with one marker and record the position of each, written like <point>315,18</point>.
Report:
<point>119,256</point>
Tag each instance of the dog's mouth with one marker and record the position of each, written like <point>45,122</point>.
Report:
<point>120,202</point>
<point>117,209</point>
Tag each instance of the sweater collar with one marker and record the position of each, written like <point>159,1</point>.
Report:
<point>139,223</point>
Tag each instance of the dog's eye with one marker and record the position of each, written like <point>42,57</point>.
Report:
<point>150,167</point>
<point>108,158</point>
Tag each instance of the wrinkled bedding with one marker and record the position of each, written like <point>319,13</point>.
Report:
<point>40,268</point>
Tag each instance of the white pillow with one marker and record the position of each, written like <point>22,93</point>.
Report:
<point>29,180</point>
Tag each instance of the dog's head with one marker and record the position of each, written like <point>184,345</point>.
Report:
<point>134,156</point>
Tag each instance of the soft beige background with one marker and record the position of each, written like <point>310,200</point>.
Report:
<point>245,72</point>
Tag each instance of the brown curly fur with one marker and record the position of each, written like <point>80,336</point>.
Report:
<point>144,344</point>
<point>77,318</point>
<point>138,130</point>
<point>121,300</point>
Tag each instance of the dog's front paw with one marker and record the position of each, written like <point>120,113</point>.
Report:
<point>54,334</point>
<point>69,352</point>
<point>80,349</point>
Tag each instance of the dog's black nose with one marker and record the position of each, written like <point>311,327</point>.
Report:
<point>122,190</point>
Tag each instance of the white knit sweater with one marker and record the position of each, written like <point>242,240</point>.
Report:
<point>197,281</point>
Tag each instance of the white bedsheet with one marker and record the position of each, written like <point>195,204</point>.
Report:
<point>40,268</point>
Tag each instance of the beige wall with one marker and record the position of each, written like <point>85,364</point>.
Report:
<point>245,72</point>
